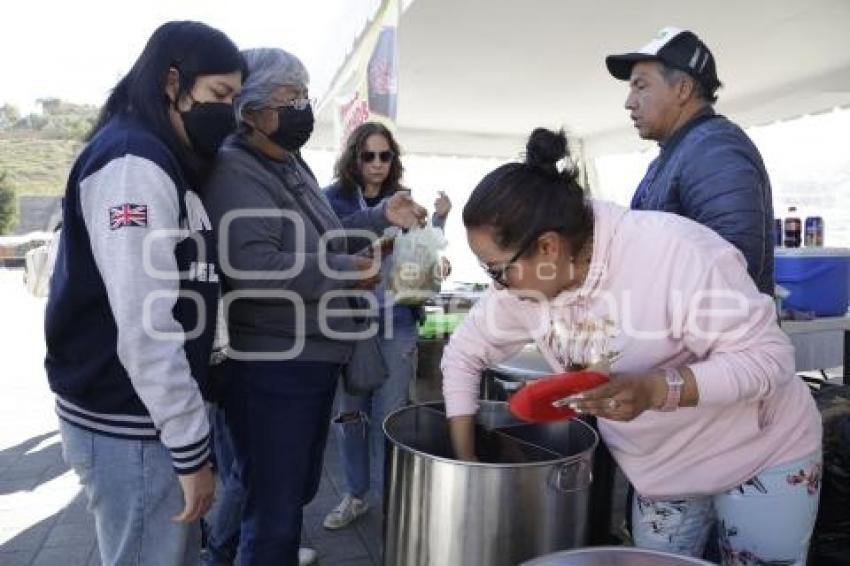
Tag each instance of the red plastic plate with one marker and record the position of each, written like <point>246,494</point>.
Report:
<point>533,402</point>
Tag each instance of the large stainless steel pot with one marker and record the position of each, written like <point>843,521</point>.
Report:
<point>528,496</point>
<point>527,365</point>
<point>614,556</point>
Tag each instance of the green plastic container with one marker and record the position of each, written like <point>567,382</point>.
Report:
<point>439,325</point>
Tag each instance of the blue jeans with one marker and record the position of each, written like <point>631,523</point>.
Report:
<point>361,418</point>
<point>279,414</point>
<point>766,520</point>
<point>133,491</point>
<point>226,515</point>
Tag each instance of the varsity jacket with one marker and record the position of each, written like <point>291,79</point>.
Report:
<point>132,304</point>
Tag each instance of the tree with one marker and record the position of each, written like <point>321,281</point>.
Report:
<point>58,120</point>
<point>9,115</point>
<point>8,204</point>
<point>31,123</point>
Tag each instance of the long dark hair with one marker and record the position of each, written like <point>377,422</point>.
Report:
<point>194,49</point>
<point>521,201</point>
<point>347,168</point>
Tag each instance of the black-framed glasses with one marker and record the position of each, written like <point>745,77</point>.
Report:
<point>297,104</point>
<point>369,156</point>
<point>499,273</point>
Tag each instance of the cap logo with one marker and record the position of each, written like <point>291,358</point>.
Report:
<point>693,62</point>
<point>661,39</point>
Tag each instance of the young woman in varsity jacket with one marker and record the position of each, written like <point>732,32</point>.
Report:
<point>131,310</point>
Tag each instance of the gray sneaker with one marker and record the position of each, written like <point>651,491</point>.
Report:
<point>306,556</point>
<point>349,510</point>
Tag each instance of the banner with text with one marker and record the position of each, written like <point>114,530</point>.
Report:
<point>367,89</point>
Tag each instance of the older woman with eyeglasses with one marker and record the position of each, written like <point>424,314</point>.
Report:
<point>285,262</point>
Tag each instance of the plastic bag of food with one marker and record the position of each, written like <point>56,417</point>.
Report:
<point>415,276</point>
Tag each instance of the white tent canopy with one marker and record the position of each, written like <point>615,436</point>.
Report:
<point>478,75</point>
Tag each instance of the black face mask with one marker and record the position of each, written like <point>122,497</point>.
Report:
<point>294,127</point>
<point>207,124</point>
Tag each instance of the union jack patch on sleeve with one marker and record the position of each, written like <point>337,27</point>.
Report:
<point>128,215</point>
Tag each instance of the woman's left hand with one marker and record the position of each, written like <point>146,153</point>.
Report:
<point>401,210</point>
<point>622,398</point>
<point>442,206</point>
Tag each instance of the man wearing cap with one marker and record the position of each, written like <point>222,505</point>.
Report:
<point>708,169</point>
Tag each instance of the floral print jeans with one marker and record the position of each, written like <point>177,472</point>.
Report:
<point>767,520</point>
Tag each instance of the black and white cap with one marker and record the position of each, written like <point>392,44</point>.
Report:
<point>675,47</point>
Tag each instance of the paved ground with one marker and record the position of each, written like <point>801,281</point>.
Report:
<point>43,519</point>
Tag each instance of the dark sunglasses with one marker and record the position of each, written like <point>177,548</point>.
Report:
<point>499,274</point>
<point>369,156</point>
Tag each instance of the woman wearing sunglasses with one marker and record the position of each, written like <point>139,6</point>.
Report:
<point>703,412</point>
<point>368,175</point>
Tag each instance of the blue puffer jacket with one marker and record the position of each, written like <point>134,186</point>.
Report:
<point>711,172</point>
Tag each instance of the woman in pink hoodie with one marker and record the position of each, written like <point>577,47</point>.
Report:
<point>703,413</point>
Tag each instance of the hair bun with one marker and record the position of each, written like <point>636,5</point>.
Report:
<point>545,148</point>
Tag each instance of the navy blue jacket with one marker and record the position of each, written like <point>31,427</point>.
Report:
<point>711,172</point>
<point>125,356</point>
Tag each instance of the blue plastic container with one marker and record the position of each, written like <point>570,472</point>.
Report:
<point>818,279</point>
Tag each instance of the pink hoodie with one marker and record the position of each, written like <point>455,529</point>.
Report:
<point>663,291</point>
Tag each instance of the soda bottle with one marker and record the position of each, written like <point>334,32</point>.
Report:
<point>793,229</point>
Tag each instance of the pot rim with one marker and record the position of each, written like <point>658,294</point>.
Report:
<point>624,550</point>
<point>540,464</point>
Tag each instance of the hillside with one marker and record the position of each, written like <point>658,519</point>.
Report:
<point>36,166</point>
<point>37,150</point>
<point>36,154</point>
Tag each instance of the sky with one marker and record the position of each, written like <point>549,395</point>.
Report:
<point>77,50</point>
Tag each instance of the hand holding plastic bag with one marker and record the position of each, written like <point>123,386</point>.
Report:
<point>417,270</point>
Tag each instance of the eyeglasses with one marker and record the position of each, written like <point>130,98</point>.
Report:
<point>369,156</point>
<point>297,104</point>
<point>499,274</point>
